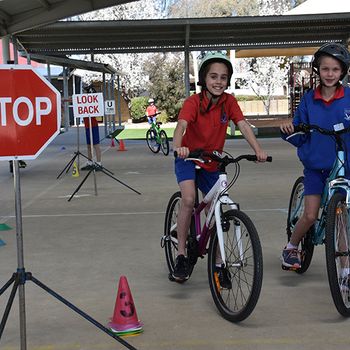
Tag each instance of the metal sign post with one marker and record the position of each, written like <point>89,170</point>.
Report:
<point>43,113</point>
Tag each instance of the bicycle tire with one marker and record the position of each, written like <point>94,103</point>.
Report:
<point>237,303</point>
<point>151,140</point>
<point>337,257</point>
<point>170,234</point>
<point>164,142</point>
<point>306,244</point>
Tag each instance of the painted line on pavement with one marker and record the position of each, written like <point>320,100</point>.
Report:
<point>282,210</point>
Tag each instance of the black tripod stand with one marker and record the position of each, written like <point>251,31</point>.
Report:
<point>94,167</point>
<point>97,167</point>
<point>20,277</point>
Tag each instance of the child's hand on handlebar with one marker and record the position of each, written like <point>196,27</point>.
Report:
<point>182,152</point>
<point>261,155</point>
<point>287,128</point>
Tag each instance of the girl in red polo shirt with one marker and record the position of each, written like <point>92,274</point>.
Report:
<point>202,123</point>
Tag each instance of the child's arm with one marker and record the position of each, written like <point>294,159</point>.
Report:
<point>177,139</point>
<point>248,134</point>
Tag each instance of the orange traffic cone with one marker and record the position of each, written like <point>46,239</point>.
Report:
<point>124,315</point>
<point>112,142</point>
<point>121,146</point>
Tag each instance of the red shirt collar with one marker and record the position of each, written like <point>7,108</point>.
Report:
<point>339,93</point>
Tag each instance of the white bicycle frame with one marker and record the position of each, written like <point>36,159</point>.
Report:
<point>217,196</point>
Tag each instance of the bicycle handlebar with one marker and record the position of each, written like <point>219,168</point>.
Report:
<point>217,156</point>
<point>306,128</point>
<point>153,115</point>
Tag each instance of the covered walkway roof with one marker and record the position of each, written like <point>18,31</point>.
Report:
<point>186,34</point>
<point>19,15</point>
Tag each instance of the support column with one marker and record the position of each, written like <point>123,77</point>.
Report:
<point>5,41</point>
<point>187,63</point>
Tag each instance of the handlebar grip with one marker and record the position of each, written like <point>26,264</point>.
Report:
<point>193,154</point>
<point>300,128</point>
<point>253,158</point>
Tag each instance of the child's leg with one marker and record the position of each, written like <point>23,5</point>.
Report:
<point>187,188</point>
<point>311,208</point>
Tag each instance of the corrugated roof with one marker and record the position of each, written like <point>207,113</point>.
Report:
<point>62,38</point>
<point>19,15</point>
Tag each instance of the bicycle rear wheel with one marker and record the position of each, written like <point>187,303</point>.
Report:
<point>169,240</point>
<point>295,211</point>
<point>338,252</point>
<point>243,262</point>
<point>152,141</point>
<point>164,142</point>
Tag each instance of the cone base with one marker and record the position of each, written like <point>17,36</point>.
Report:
<point>125,327</point>
<point>127,333</point>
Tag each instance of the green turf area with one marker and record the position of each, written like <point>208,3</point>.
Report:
<point>140,134</point>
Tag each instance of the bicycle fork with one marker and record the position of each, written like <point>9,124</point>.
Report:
<point>225,200</point>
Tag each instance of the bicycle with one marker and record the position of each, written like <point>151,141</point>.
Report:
<point>157,138</point>
<point>230,232</point>
<point>331,227</point>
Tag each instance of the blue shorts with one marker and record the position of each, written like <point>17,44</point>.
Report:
<point>315,181</point>
<point>151,120</point>
<point>95,135</point>
<point>185,170</point>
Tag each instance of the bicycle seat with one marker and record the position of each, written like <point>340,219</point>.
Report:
<point>159,123</point>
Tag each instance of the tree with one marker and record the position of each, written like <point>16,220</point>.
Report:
<point>131,65</point>
<point>217,8</point>
<point>166,82</point>
<point>267,74</point>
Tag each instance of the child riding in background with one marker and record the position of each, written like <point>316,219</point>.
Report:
<point>202,124</point>
<point>326,106</point>
<point>151,111</point>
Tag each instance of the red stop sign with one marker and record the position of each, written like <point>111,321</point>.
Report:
<point>30,112</point>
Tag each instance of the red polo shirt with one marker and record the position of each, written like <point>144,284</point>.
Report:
<point>208,131</point>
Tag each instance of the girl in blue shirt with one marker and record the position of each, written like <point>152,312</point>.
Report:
<point>326,106</point>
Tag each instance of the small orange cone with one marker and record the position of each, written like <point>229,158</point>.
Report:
<point>112,142</point>
<point>124,315</point>
<point>121,146</point>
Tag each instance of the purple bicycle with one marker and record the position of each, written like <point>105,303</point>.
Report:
<point>228,236</point>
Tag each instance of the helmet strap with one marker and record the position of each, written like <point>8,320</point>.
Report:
<point>211,98</point>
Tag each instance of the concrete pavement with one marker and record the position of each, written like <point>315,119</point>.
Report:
<point>81,248</point>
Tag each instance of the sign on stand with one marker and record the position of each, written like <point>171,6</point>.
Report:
<point>88,105</point>
<point>30,112</point>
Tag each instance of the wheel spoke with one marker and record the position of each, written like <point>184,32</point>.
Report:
<point>237,302</point>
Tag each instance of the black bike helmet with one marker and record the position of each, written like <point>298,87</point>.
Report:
<point>335,50</point>
<point>212,57</point>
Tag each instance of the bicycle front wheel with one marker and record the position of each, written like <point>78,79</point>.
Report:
<point>295,211</point>
<point>244,265</point>
<point>169,240</point>
<point>337,252</point>
<point>164,142</point>
<point>151,140</point>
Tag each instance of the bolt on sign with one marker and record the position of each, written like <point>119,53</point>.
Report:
<point>88,105</point>
<point>30,112</point>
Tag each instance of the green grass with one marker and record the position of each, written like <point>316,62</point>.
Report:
<point>140,134</point>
